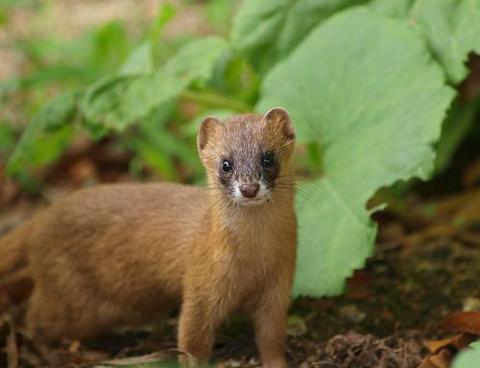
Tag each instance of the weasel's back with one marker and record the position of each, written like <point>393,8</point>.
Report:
<point>127,242</point>
<point>135,200</point>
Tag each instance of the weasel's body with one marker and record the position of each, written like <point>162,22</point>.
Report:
<point>123,254</point>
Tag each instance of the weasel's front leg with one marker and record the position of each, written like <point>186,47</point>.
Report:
<point>270,319</point>
<point>198,322</point>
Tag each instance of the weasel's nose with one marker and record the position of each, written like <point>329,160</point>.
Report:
<point>249,190</point>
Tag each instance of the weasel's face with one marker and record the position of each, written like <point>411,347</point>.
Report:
<point>247,155</point>
<point>248,174</point>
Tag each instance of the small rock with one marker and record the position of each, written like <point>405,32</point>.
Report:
<point>253,361</point>
<point>296,325</point>
<point>471,304</point>
<point>352,313</point>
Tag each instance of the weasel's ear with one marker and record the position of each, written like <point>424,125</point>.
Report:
<point>280,117</point>
<point>207,129</point>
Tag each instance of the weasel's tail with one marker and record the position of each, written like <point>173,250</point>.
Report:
<point>15,282</point>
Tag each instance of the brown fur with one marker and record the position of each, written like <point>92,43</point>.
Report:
<point>122,254</point>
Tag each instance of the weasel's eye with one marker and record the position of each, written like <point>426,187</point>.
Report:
<point>227,166</point>
<point>268,159</point>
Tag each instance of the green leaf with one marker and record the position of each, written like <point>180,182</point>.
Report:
<point>46,136</point>
<point>165,14</point>
<point>117,101</point>
<point>156,146</point>
<point>219,14</point>
<point>266,31</point>
<point>468,358</point>
<point>110,45</point>
<point>451,28</point>
<point>398,8</point>
<point>475,345</point>
<point>7,137</point>
<point>150,155</point>
<point>195,60</point>
<point>376,112</point>
<point>139,61</point>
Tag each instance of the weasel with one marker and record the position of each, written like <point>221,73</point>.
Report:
<point>122,254</point>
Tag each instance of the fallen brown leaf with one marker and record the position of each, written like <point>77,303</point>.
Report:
<point>435,345</point>
<point>74,346</point>
<point>456,342</point>
<point>443,351</point>
<point>466,322</point>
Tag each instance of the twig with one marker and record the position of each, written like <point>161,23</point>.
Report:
<point>12,346</point>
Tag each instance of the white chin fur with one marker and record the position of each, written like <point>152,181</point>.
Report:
<point>261,197</point>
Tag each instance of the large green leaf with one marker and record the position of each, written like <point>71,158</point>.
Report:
<point>363,85</point>
<point>7,137</point>
<point>451,27</point>
<point>117,101</point>
<point>46,136</point>
<point>266,31</point>
<point>195,60</point>
<point>140,61</point>
<point>468,358</point>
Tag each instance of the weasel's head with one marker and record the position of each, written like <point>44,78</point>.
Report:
<point>247,157</point>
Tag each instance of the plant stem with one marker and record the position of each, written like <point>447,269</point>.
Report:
<point>214,99</point>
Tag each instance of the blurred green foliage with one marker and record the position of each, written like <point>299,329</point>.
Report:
<point>368,83</point>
